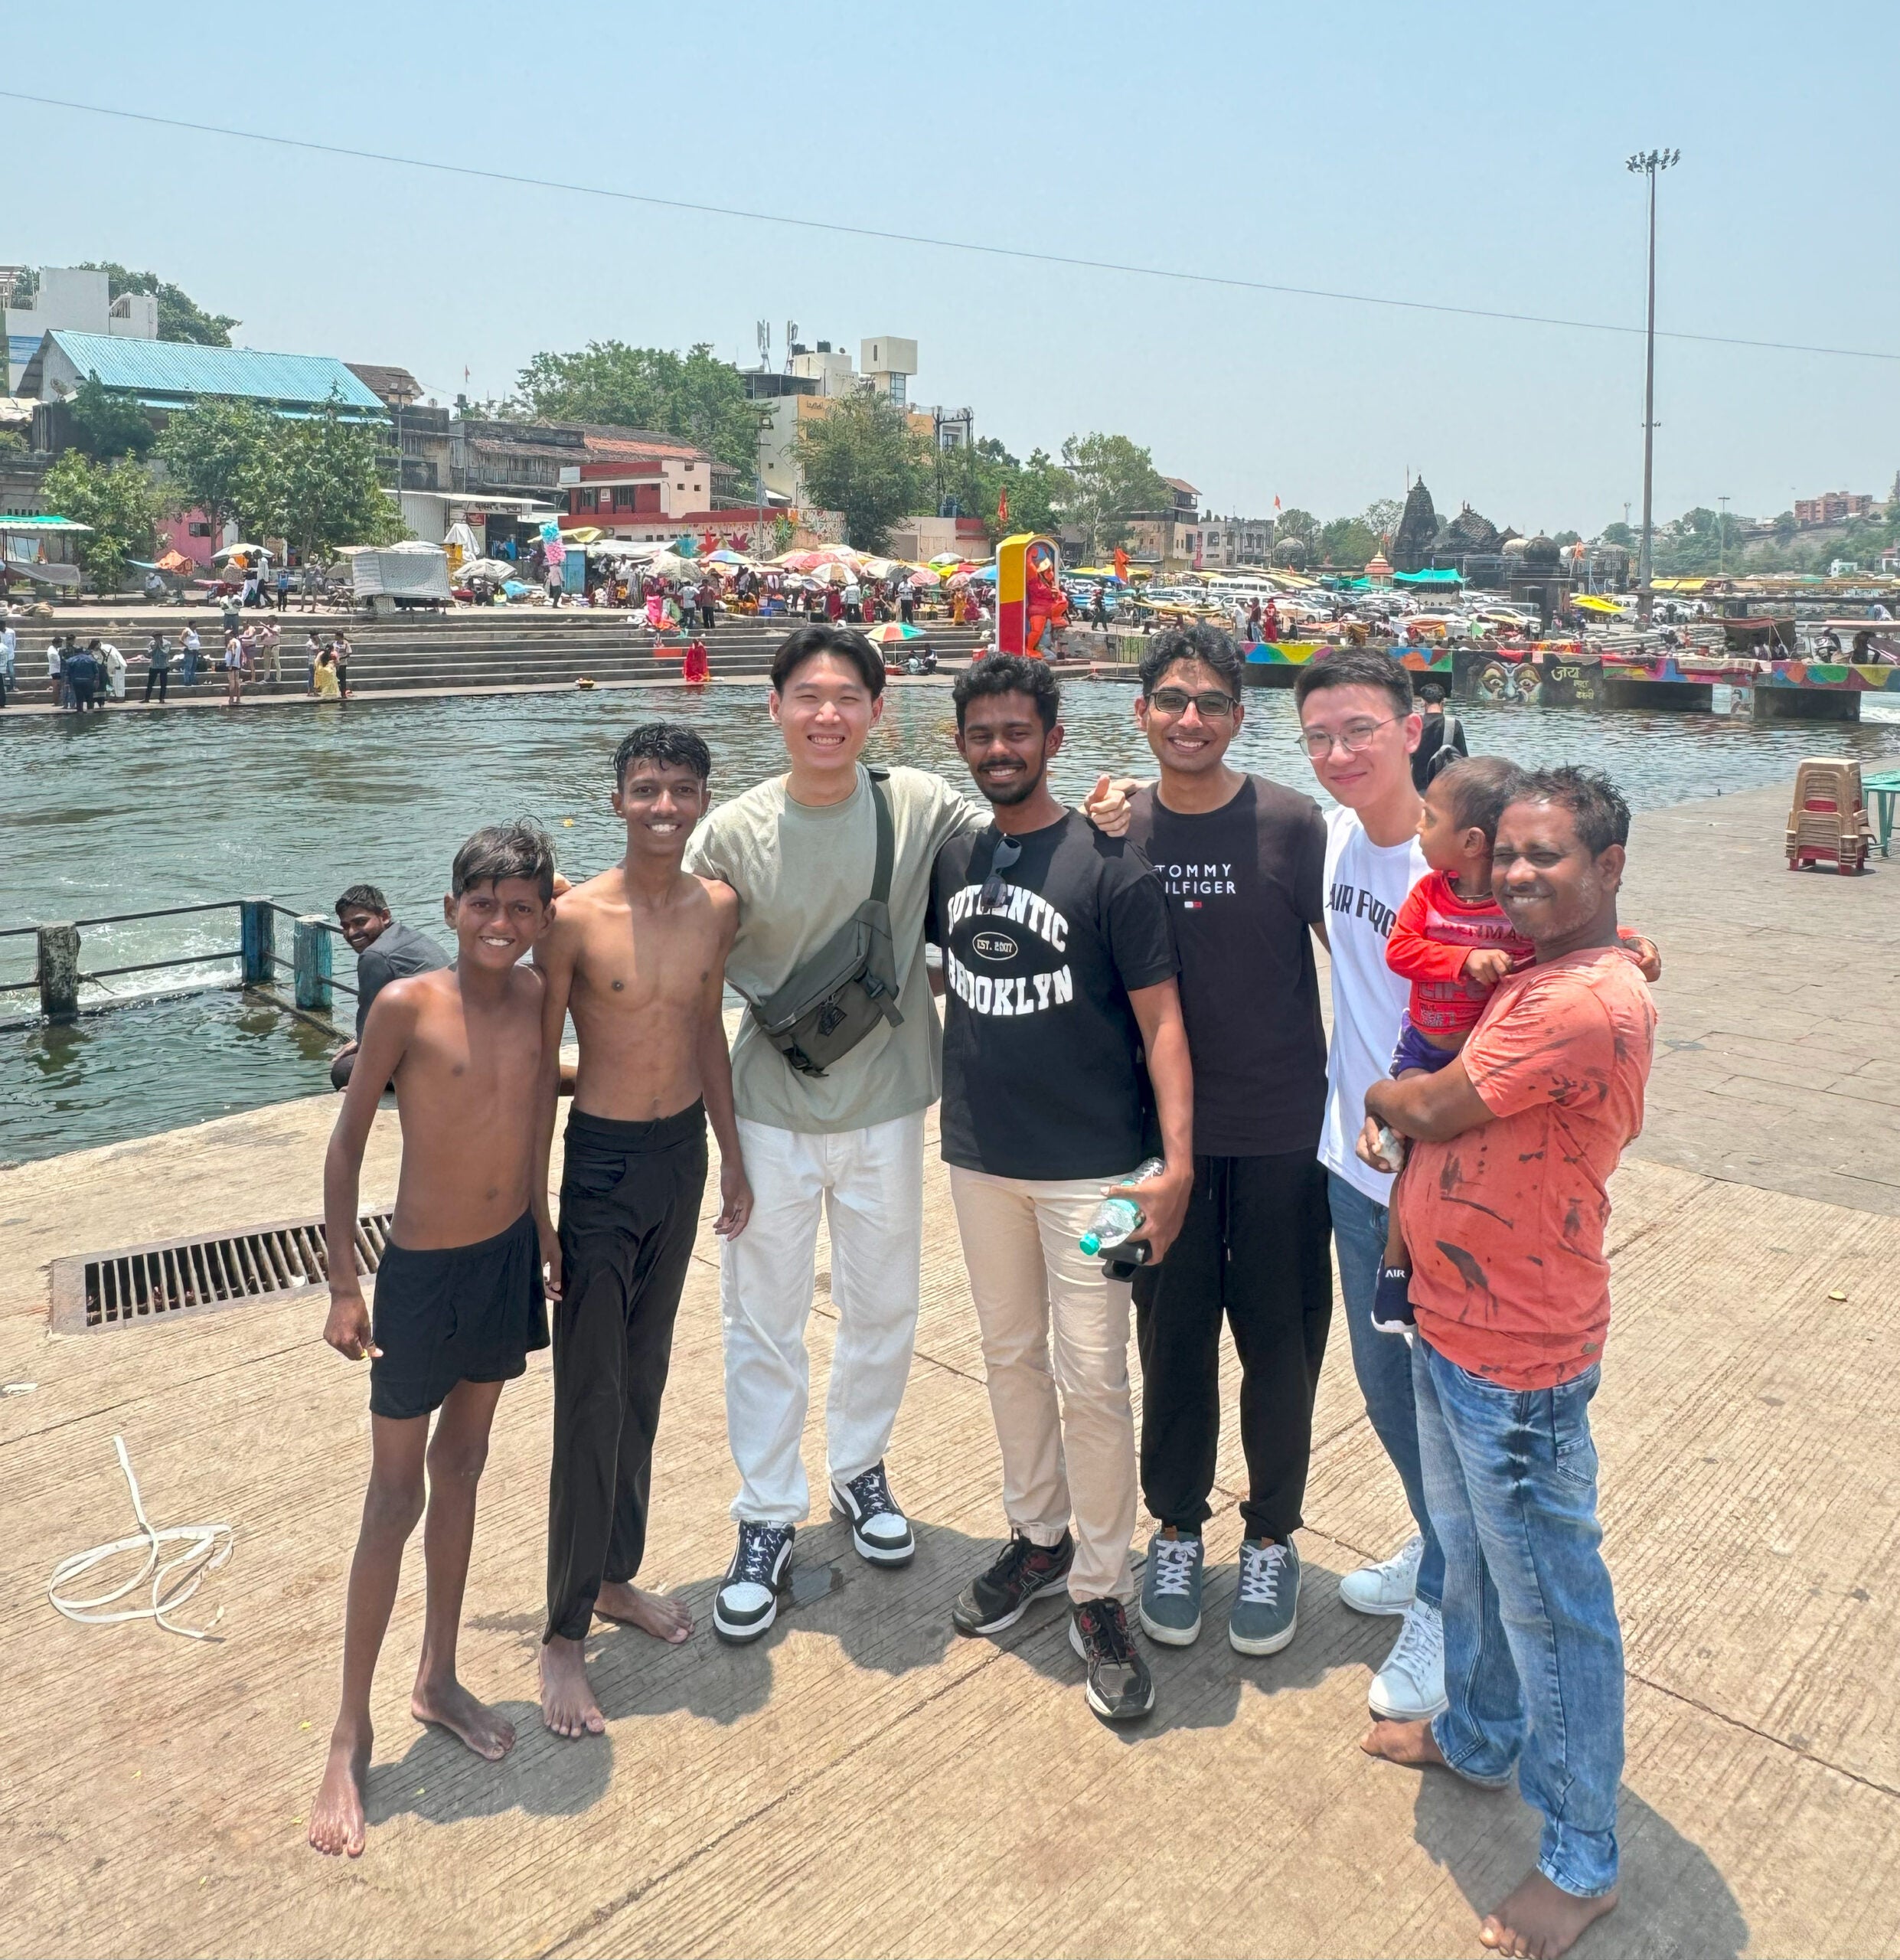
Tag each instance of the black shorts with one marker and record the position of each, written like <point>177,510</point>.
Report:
<point>459,1313</point>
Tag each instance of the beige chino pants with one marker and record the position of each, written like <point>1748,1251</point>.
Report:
<point>1038,1295</point>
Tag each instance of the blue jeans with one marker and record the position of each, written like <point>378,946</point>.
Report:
<point>1533,1658</point>
<point>1382,1362</point>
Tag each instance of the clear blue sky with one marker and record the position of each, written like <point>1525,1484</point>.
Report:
<point>1468,155</point>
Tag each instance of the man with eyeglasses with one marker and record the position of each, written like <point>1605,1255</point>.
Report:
<point>1059,980</point>
<point>1242,859</point>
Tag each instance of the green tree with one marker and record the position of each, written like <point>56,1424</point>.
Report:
<point>1109,479</point>
<point>180,316</point>
<point>694,396</point>
<point>12,443</point>
<point>1345,541</point>
<point>1381,516</point>
<point>1296,523</point>
<point>106,425</point>
<point>328,480</point>
<point>1567,537</point>
<point>981,476</point>
<point>1622,534</point>
<point>862,457</point>
<point>224,456</point>
<point>121,503</point>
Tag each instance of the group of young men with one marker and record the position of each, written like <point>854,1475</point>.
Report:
<point>1133,985</point>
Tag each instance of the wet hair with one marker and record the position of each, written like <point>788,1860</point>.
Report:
<point>1354,667</point>
<point>667,744</point>
<point>806,643</point>
<point>519,849</point>
<point>365,898</point>
<point>1476,789</point>
<point>1595,804</point>
<point>1208,644</point>
<point>1008,674</point>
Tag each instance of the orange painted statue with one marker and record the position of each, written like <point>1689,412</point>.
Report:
<point>1048,604</point>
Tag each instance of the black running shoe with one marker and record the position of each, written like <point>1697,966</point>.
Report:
<point>1120,1687</point>
<point>747,1602</point>
<point>1391,1300</point>
<point>1000,1596</point>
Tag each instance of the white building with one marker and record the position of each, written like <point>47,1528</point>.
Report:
<point>73,297</point>
<point>813,377</point>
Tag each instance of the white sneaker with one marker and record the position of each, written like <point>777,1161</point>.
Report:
<point>1384,1589</point>
<point>1410,1687</point>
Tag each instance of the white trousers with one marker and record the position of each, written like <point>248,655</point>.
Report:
<point>1031,1280</point>
<point>869,1183</point>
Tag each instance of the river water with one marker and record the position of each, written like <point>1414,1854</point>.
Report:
<point>113,813</point>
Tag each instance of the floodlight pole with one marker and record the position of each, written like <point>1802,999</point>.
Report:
<point>1649,165</point>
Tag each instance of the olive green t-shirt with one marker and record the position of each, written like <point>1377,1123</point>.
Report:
<point>801,871</point>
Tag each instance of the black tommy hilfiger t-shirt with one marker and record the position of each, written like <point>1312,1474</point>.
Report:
<point>1041,1074</point>
<point>1245,884</point>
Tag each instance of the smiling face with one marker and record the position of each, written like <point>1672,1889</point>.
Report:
<point>825,713</point>
<point>362,925</point>
<point>1549,886</point>
<point>1007,746</point>
<point>1368,717</point>
<point>660,803</point>
<point>1183,737</point>
<point>496,921</point>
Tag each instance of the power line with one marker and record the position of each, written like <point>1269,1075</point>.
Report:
<point>973,247</point>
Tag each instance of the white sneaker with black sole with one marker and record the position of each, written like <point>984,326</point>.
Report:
<point>747,1601</point>
<point>880,1532</point>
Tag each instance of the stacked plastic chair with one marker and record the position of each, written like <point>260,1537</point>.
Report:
<point>1828,824</point>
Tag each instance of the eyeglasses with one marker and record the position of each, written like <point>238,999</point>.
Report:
<point>1212,707</point>
<point>1354,738</point>
<point>995,891</point>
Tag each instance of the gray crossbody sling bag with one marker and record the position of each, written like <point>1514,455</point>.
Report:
<point>850,984</point>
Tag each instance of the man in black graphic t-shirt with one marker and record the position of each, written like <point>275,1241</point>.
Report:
<point>1243,862</point>
<point>1057,976</point>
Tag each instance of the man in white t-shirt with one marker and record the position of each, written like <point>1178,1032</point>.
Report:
<point>1359,726</point>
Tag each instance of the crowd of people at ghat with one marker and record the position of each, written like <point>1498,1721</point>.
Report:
<point>1133,983</point>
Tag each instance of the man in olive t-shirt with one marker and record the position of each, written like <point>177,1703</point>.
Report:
<point>800,851</point>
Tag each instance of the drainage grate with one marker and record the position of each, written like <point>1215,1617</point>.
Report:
<point>143,1285</point>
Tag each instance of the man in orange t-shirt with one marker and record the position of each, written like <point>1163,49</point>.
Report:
<point>1504,1210</point>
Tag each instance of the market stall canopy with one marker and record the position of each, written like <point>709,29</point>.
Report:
<point>924,577</point>
<point>462,538</point>
<point>241,550</point>
<point>1440,578</point>
<point>49,574</point>
<point>497,570</point>
<point>889,635</point>
<point>1589,602</point>
<point>40,527</point>
<point>585,534</point>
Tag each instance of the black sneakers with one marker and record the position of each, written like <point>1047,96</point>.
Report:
<point>1000,1596</point>
<point>747,1602</point>
<point>1120,1687</point>
<point>1391,1300</point>
<point>880,1531</point>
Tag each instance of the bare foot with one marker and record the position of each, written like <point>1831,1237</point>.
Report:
<point>451,1706</point>
<point>1411,1743</point>
<point>1539,1920</point>
<point>568,1706</point>
<point>337,1823</point>
<point>652,1613</point>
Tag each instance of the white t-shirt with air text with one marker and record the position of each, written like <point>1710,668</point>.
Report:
<point>1365,885</point>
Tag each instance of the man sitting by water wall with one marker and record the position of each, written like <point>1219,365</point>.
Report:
<point>384,951</point>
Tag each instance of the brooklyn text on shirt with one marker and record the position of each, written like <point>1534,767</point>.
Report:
<point>1006,994</point>
<point>1350,902</point>
<point>1021,907</point>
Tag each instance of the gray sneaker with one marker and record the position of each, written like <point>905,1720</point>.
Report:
<point>1170,1589</point>
<point>1266,1613</point>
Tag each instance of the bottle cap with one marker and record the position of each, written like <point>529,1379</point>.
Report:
<point>1090,1244</point>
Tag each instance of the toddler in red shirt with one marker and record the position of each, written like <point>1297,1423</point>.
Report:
<point>1452,941</point>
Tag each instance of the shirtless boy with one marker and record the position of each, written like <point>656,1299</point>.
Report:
<point>459,1297</point>
<point>638,955</point>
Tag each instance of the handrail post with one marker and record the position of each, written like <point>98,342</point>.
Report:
<point>310,961</point>
<point>259,940</point>
<point>58,972</point>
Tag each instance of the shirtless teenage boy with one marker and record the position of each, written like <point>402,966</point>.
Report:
<point>458,1298</point>
<point>638,955</point>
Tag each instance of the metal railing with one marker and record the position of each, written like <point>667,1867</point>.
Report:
<point>58,975</point>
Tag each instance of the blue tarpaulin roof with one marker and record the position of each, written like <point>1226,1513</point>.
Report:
<point>1426,578</point>
<point>175,369</point>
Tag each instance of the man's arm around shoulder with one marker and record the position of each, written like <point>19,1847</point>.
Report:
<point>556,954</point>
<point>715,1070</point>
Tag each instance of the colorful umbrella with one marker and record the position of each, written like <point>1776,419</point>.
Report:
<point>889,635</point>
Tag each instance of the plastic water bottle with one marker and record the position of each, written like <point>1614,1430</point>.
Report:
<point>1117,1220</point>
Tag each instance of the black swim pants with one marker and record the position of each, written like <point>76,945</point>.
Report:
<point>459,1313</point>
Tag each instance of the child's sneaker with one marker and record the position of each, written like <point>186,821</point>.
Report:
<point>1391,1303</point>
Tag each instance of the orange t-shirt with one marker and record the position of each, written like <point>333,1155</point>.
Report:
<point>1505,1223</point>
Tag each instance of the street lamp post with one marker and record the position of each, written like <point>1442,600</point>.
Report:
<point>1642,165</point>
<point>1722,539</point>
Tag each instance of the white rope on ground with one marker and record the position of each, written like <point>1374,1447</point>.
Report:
<point>207,1546</point>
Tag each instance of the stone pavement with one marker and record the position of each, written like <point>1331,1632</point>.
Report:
<point>862,1782</point>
